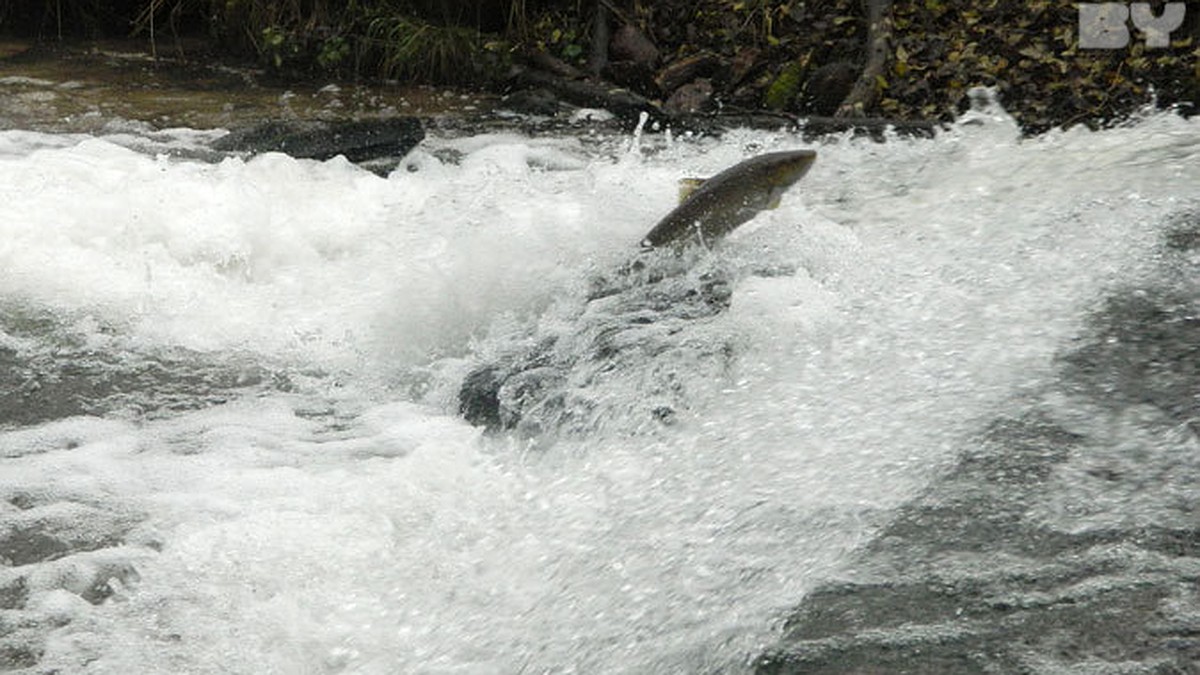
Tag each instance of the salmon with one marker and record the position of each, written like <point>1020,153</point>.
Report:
<point>731,198</point>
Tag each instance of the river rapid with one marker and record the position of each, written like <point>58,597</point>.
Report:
<point>231,440</point>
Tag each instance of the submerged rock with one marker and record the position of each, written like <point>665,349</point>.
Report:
<point>53,370</point>
<point>58,552</point>
<point>623,349</point>
<point>1067,541</point>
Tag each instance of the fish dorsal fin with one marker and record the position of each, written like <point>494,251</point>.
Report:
<point>688,186</point>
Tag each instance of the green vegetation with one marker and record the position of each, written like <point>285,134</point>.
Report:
<point>432,41</point>
<point>1029,52</point>
<point>785,87</point>
<point>768,51</point>
<point>406,47</point>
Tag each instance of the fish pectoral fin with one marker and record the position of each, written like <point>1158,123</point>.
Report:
<point>774,199</point>
<point>687,186</point>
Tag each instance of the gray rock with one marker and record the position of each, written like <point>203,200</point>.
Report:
<point>58,374</point>
<point>1067,540</point>
<point>550,381</point>
<point>827,87</point>
<point>358,141</point>
<point>691,98</point>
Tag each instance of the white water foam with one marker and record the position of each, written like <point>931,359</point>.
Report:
<point>341,530</point>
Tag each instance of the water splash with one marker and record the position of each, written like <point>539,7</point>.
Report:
<point>341,526</point>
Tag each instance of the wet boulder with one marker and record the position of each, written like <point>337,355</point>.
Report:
<point>356,140</point>
<point>626,350</point>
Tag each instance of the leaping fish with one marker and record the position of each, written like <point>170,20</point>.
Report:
<point>727,200</point>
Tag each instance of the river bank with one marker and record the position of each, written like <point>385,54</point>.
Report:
<point>87,87</point>
<point>1052,63</point>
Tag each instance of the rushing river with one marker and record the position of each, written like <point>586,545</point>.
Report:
<point>231,440</point>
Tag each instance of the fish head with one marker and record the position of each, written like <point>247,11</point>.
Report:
<point>781,170</point>
<point>768,177</point>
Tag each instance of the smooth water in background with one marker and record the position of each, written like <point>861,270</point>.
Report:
<point>340,517</point>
